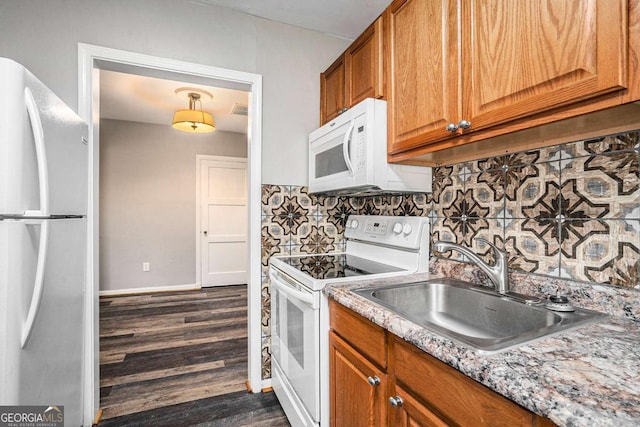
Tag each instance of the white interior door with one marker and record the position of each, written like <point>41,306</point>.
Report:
<point>223,221</point>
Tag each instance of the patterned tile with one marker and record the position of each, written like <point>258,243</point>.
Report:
<point>447,230</point>
<point>265,294</point>
<point>484,228</point>
<point>409,205</point>
<point>482,165</point>
<point>317,241</point>
<point>323,204</point>
<point>300,228</point>
<point>458,206</point>
<point>605,144</point>
<point>489,230</point>
<point>269,246</point>
<point>533,246</point>
<point>533,191</point>
<point>273,197</point>
<point>602,186</point>
<point>485,192</point>
<point>602,251</point>
<point>266,357</point>
<point>302,197</point>
<point>369,207</point>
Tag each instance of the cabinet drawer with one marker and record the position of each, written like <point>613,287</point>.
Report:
<point>362,334</point>
<point>457,398</point>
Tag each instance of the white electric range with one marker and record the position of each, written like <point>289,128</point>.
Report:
<point>376,247</point>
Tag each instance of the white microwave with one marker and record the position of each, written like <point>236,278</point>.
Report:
<point>348,156</point>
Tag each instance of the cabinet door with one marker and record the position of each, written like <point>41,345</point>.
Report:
<point>412,412</point>
<point>363,65</point>
<point>332,96</point>
<point>422,71</point>
<point>522,57</point>
<point>354,400</point>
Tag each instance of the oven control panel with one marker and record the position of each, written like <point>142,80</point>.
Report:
<point>402,231</point>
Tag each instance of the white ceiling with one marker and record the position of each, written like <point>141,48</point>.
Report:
<point>342,18</point>
<point>152,100</point>
<point>132,97</point>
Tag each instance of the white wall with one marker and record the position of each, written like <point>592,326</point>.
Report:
<point>148,201</point>
<point>43,35</point>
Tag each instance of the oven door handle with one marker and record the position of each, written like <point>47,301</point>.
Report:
<point>305,297</point>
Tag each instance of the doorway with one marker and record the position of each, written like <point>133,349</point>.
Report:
<point>91,60</point>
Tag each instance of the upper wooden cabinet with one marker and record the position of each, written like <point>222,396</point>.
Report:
<point>363,65</point>
<point>477,64</point>
<point>523,57</point>
<point>357,74</point>
<point>421,71</point>
<point>332,99</point>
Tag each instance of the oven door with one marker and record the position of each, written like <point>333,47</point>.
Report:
<point>295,338</point>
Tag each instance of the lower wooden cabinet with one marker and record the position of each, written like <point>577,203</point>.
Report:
<point>408,387</point>
<point>410,412</point>
<point>358,388</point>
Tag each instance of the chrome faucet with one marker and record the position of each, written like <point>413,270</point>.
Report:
<point>497,272</point>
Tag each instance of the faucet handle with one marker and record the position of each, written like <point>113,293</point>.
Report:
<point>497,252</point>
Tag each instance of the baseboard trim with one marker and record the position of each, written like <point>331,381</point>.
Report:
<point>146,290</point>
<point>98,417</point>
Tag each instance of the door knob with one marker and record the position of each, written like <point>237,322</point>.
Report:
<point>205,232</point>
<point>451,127</point>
<point>396,401</point>
<point>464,124</point>
<point>374,381</point>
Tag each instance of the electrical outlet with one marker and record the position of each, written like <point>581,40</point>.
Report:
<point>146,266</point>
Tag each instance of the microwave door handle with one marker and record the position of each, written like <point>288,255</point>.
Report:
<point>345,147</point>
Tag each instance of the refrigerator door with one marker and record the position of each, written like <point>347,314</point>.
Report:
<point>46,368</point>
<point>43,151</point>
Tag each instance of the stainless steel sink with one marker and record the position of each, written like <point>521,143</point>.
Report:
<point>473,315</point>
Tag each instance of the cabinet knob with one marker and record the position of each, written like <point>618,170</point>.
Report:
<point>464,124</point>
<point>204,232</point>
<point>374,381</point>
<point>451,127</point>
<point>396,401</point>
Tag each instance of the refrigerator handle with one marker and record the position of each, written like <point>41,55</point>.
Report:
<point>41,154</point>
<point>38,286</point>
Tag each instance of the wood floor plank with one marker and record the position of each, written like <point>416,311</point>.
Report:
<point>167,353</point>
<point>160,373</point>
<point>235,409</point>
<point>228,319</point>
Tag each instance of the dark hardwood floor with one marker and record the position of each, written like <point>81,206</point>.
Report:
<point>179,359</point>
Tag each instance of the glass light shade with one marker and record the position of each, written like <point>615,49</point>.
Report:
<point>193,121</point>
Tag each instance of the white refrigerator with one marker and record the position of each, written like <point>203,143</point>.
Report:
<point>43,245</point>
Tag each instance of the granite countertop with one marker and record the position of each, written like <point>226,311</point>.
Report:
<point>589,376</point>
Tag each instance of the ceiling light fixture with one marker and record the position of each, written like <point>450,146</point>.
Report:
<point>193,120</point>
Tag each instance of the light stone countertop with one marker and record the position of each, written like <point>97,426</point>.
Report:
<point>588,376</point>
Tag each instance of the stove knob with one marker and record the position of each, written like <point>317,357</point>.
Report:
<point>406,229</point>
<point>397,228</point>
<point>354,223</point>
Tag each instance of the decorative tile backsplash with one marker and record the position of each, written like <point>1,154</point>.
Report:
<point>570,211</point>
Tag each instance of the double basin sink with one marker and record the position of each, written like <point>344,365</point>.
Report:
<point>475,316</point>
